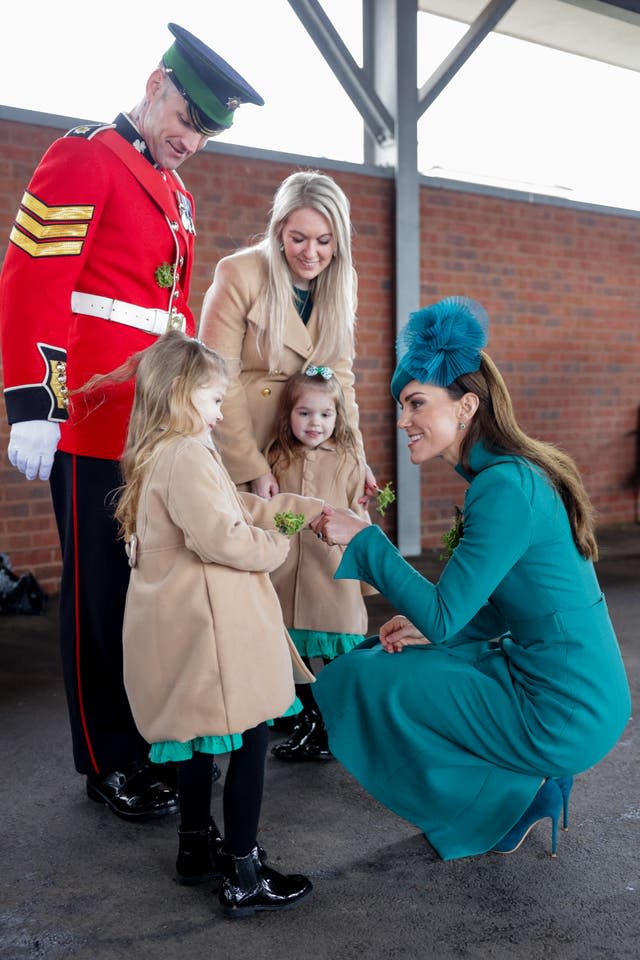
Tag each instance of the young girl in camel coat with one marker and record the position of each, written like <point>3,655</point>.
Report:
<point>207,659</point>
<point>315,454</point>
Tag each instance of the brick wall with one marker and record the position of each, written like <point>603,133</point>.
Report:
<point>562,288</point>
<point>561,285</point>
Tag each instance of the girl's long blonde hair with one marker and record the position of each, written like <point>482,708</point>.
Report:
<point>285,447</point>
<point>494,423</point>
<point>166,375</point>
<point>333,291</point>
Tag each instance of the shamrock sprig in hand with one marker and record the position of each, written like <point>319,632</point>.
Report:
<point>289,523</point>
<point>384,497</point>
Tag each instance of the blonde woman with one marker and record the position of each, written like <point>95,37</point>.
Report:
<point>277,307</point>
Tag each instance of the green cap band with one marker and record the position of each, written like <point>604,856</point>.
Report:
<point>196,90</point>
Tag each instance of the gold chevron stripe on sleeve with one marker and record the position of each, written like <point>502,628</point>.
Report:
<point>47,249</point>
<point>44,212</point>
<point>56,230</point>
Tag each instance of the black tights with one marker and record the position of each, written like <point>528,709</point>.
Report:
<point>242,796</point>
<point>304,691</point>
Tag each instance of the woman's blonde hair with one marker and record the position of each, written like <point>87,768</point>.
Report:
<point>494,423</point>
<point>166,375</point>
<point>285,447</point>
<point>333,291</point>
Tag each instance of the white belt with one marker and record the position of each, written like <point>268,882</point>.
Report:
<point>148,319</point>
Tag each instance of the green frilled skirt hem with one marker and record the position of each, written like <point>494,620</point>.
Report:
<point>317,643</point>
<point>172,751</point>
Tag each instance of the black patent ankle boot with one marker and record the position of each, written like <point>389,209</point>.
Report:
<point>293,747</point>
<point>249,886</point>
<point>316,746</point>
<point>198,855</point>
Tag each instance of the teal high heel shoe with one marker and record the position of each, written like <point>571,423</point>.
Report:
<point>548,802</point>
<point>564,785</point>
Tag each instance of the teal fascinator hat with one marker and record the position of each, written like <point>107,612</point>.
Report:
<point>440,342</point>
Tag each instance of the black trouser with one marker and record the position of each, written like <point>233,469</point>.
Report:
<point>242,797</point>
<point>95,576</point>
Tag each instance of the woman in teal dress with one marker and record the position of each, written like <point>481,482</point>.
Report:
<point>475,707</point>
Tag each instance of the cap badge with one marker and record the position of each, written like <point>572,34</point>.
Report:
<point>233,103</point>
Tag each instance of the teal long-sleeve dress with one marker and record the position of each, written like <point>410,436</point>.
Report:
<point>522,678</point>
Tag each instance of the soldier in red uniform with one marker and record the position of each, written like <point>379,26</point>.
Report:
<point>98,265</point>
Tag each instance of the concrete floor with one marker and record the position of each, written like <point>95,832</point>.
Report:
<point>78,883</point>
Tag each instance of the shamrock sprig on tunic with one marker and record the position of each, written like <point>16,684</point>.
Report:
<point>452,537</point>
<point>289,523</point>
<point>164,274</point>
<point>384,497</point>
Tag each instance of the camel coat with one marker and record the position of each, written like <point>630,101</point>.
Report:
<point>205,648</point>
<point>229,324</point>
<point>310,598</point>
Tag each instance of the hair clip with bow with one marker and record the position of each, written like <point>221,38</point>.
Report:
<point>325,372</point>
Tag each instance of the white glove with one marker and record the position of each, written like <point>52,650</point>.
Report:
<point>32,445</point>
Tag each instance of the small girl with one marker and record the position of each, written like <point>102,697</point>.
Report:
<point>207,659</point>
<point>315,454</point>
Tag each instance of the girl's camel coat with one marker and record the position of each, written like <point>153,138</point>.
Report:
<point>205,648</point>
<point>230,324</point>
<point>310,598</point>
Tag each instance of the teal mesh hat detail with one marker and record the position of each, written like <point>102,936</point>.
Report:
<point>213,90</point>
<point>440,342</point>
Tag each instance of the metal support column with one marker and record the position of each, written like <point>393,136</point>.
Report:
<point>390,60</point>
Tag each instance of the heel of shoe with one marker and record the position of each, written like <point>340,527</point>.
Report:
<point>554,804</point>
<point>565,785</point>
<point>554,835</point>
<point>547,802</point>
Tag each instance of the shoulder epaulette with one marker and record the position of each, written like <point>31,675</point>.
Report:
<point>89,130</point>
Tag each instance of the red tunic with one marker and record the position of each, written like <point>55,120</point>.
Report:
<point>99,222</point>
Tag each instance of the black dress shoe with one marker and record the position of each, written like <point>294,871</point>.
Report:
<point>134,793</point>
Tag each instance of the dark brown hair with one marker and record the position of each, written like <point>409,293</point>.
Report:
<point>494,423</point>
